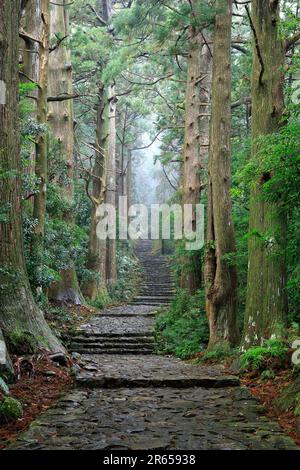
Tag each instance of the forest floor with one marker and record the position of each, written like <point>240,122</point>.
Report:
<point>267,392</point>
<point>127,397</point>
<point>36,394</point>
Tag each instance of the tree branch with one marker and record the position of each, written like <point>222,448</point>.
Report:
<point>241,101</point>
<point>51,49</point>
<point>289,42</point>
<point>99,18</point>
<point>29,78</point>
<point>168,179</point>
<point>27,37</point>
<point>62,97</point>
<point>256,46</point>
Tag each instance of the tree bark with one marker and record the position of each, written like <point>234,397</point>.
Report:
<point>61,120</point>
<point>198,94</point>
<point>18,311</point>
<point>39,206</point>
<point>220,275</point>
<point>110,193</point>
<point>102,254</point>
<point>266,303</point>
<point>96,258</point>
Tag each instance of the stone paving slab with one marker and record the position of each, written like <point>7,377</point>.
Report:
<point>147,371</point>
<point>155,419</point>
<point>118,325</point>
<point>128,310</point>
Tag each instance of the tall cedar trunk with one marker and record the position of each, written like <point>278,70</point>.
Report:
<point>39,207</point>
<point>128,180</point>
<point>102,255</point>
<point>110,194</point>
<point>18,312</point>
<point>220,275</point>
<point>31,23</point>
<point>96,259</point>
<point>266,304</point>
<point>110,162</point>
<point>197,119</point>
<point>61,120</point>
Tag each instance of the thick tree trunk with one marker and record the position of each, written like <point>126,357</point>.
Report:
<point>198,92</point>
<point>110,194</point>
<point>61,120</point>
<point>266,304</point>
<point>220,275</point>
<point>96,259</point>
<point>31,23</point>
<point>18,312</point>
<point>102,254</point>
<point>39,207</point>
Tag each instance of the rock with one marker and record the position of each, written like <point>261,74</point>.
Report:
<point>10,410</point>
<point>76,355</point>
<point>235,367</point>
<point>60,358</point>
<point>6,366</point>
<point>3,387</point>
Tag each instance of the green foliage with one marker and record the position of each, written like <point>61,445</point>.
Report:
<point>103,300</point>
<point>259,357</point>
<point>220,352</point>
<point>267,374</point>
<point>21,342</point>
<point>10,410</point>
<point>129,274</point>
<point>183,329</point>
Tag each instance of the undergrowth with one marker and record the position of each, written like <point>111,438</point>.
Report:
<point>183,328</point>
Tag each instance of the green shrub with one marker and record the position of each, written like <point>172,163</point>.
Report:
<point>103,300</point>
<point>183,329</point>
<point>10,410</point>
<point>259,357</point>
<point>21,342</point>
<point>220,352</point>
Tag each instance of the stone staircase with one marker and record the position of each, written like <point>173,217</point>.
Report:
<point>158,286</point>
<point>136,336</point>
<point>125,343</point>
<point>127,398</point>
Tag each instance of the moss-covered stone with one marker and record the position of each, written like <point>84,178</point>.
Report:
<point>10,410</point>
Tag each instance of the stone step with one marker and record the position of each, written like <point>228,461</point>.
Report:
<point>113,351</point>
<point>150,314</point>
<point>114,371</point>
<point>104,336</point>
<point>122,345</point>
<point>114,340</point>
<point>180,382</point>
<point>150,304</point>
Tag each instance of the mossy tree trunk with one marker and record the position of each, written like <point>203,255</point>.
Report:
<point>102,254</point>
<point>29,51</point>
<point>18,311</point>
<point>110,193</point>
<point>39,206</point>
<point>61,120</point>
<point>198,93</point>
<point>266,304</point>
<point>96,258</point>
<point>220,274</point>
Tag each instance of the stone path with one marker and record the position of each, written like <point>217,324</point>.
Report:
<point>127,398</point>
